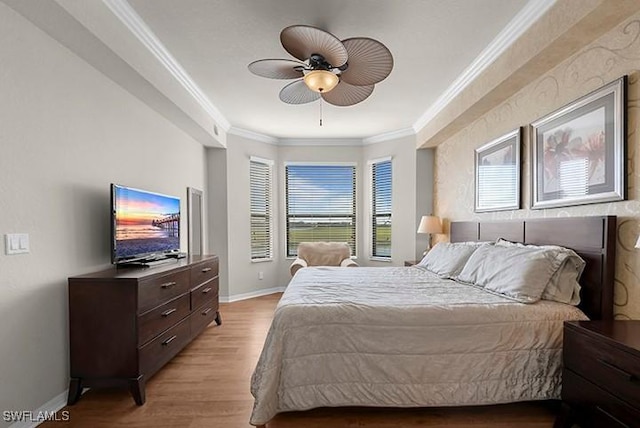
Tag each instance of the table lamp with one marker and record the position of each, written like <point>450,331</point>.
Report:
<point>429,224</point>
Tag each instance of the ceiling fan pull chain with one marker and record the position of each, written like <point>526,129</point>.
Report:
<point>320,111</point>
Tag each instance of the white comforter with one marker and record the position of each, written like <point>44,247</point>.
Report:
<point>402,337</point>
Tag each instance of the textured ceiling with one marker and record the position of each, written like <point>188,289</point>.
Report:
<point>432,42</point>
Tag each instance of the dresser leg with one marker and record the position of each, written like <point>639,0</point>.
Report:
<point>136,386</point>
<point>564,418</point>
<point>218,318</point>
<point>75,390</point>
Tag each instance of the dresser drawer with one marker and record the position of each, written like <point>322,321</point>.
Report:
<point>157,320</point>
<point>203,272</point>
<point>596,407</point>
<point>159,290</point>
<point>204,294</point>
<point>156,353</point>
<point>610,368</point>
<point>202,317</point>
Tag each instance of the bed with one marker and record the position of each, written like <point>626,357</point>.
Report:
<point>404,337</point>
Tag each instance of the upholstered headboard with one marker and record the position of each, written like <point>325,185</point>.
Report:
<point>593,238</point>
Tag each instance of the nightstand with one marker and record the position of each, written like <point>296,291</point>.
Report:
<point>601,375</point>
<point>411,262</point>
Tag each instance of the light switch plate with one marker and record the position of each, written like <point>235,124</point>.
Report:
<point>16,243</point>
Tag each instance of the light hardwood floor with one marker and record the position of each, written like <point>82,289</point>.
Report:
<point>207,385</point>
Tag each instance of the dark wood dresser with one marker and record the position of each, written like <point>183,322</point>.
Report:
<point>601,376</point>
<point>126,323</point>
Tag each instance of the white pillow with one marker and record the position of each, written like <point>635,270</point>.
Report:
<point>563,286</point>
<point>521,274</point>
<point>446,259</point>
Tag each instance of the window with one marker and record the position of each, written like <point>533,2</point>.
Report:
<point>321,204</point>
<point>381,209</point>
<point>260,171</point>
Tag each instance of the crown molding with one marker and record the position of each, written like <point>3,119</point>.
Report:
<point>387,136</point>
<point>264,138</point>
<point>123,11</point>
<point>532,11</point>
<point>252,135</point>
<point>320,142</point>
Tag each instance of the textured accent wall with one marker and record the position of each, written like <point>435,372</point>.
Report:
<point>614,54</point>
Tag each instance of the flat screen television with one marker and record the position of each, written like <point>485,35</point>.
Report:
<point>145,225</point>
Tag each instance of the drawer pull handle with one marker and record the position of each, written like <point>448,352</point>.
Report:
<point>168,284</point>
<point>206,311</point>
<point>618,370</point>
<point>205,270</point>
<point>168,312</point>
<point>600,409</point>
<point>206,290</point>
<point>169,340</point>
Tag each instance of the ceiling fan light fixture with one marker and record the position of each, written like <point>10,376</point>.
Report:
<point>340,72</point>
<point>321,80</point>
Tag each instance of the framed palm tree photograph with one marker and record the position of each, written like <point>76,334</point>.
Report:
<point>578,152</point>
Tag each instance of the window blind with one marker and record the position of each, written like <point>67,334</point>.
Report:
<point>321,205</point>
<point>261,215</point>
<point>381,209</point>
<point>496,185</point>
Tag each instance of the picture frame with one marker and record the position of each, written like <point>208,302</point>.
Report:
<point>578,152</point>
<point>497,173</point>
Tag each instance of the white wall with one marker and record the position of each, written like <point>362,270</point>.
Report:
<point>404,208</point>
<point>216,221</point>
<point>424,195</point>
<point>229,211</point>
<point>242,272</point>
<point>66,132</point>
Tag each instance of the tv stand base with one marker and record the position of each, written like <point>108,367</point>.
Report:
<point>126,324</point>
<point>146,263</point>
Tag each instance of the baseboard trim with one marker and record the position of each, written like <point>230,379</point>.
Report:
<point>250,295</point>
<point>48,411</point>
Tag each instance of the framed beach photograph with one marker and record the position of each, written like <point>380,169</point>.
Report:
<point>578,151</point>
<point>497,166</point>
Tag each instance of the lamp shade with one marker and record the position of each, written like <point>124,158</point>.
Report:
<point>321,80</point>
<point>638,242</point>
<point>430,224</point>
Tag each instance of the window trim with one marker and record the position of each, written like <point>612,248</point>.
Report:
<point>285,193</point>
<point>372,214</point>
<point>270,164</point>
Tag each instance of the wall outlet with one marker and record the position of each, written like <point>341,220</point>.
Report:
<point>260,275</point>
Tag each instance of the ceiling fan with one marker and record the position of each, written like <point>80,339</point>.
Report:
<point>342,73</point>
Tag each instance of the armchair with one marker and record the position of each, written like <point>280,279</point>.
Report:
<point>322,254</point>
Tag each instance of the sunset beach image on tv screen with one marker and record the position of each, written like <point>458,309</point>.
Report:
<point>145,222</point>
